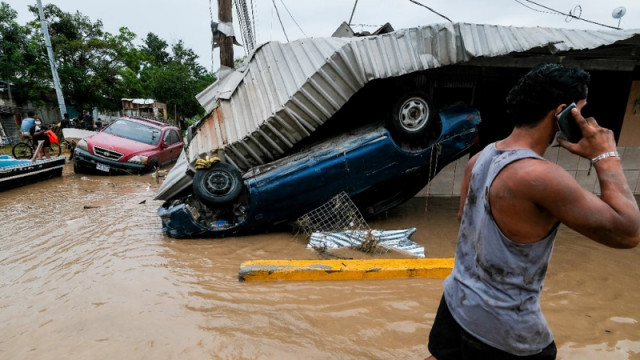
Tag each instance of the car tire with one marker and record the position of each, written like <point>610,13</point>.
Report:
<point>76,168</point>
<point>219,184</point>
<point>411,115</point>
<point>152,166</point>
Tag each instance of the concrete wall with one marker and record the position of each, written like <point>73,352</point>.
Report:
<point>447,183</point>
<point>630,131</point>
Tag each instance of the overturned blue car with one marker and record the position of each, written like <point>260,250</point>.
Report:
<point>376,170</point>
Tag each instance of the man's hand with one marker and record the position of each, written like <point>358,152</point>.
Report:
<point>595,140</point>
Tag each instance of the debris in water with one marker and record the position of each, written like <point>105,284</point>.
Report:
<point>371,241</point>
<point>339,224</point>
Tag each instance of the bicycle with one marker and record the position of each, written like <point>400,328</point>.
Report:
<point>25,148</point>
<point>64,144</point>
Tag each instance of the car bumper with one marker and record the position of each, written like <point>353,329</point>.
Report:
<point>178,222</point>
<point>87,161</point>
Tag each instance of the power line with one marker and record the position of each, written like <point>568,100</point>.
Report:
<point>253,19</point>
<point>534,9</point>
<point>279,19</point>
<point>247,25</point>
<point>430,9</point>
<point>569,15</point>
<point>294,20</point>
<point>576,9</point>
<point>365,25</point>
<point>212,52</point>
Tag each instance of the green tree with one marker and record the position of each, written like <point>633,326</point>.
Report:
<point>155,49</point>
<point>19,63</point>
<point>92,64</point>
<point>175,78</point>
<point>97,68</point>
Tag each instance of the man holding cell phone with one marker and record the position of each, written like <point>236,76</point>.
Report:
<point>512,202</point>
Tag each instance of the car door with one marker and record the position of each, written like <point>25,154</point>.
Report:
<point>176,145</point>
<point>171,146</point>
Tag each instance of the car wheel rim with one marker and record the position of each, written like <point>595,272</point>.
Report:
<point>219,183</point>
<point>414,114</point>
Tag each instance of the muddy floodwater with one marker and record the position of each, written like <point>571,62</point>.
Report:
<point>86,273</point>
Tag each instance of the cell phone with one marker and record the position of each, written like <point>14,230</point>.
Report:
<point>568,124</point>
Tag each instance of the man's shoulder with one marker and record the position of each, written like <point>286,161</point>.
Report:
<point>535,163</point>
<point>533,168</point>
<point>535,173</point>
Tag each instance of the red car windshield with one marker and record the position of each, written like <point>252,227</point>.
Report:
<point>134,131</point>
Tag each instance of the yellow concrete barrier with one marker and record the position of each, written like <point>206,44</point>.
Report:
<point>270,270</point>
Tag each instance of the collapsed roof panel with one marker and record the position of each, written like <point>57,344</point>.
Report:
<point>286,91</point>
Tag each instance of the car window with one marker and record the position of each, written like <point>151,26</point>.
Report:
<point>175,137</point>
<point>134,131</point>
<point>171,137</point>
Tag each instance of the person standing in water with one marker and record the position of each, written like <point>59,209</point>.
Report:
<point>512,203</point>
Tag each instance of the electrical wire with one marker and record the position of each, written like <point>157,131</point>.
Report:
<point>212,52</point>
<point>246,25</point>
<point>568,15</point>
<point>366,25</point>
<point>430,9</point>
<point>253,20</point>
<point>572,12</point>
<point>294,20</point>
<point>279,19</point>
<point>534,9</point>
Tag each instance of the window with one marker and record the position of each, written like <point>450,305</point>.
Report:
<point>171,137</point>
<point>134,131</point>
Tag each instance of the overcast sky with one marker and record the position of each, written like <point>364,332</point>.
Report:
<point>188,20</point>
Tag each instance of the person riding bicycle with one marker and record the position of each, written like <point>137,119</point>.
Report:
<point>38,134</point>
<point>27,124</point>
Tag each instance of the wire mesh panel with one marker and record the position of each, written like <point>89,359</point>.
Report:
<point>336,215</point>
<point>338,224</point>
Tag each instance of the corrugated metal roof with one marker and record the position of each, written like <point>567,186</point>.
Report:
<point>286,91</point>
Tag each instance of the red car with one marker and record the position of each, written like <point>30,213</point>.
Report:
<point>128,146</point>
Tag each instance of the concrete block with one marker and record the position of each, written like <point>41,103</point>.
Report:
<point>270,270</point>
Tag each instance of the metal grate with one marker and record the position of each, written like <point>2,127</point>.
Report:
<point>338,224</point>
<point>336,215</point>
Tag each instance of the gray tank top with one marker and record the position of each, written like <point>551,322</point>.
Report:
<point>494,289</point>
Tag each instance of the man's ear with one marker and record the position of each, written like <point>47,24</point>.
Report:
<point>559,109</point>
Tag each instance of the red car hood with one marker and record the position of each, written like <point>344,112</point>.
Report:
<point>119,144</point>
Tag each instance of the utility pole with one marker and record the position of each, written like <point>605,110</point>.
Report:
<point>226,42</point>
<point>52,62</point>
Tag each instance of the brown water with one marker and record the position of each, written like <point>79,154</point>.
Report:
<point>85,273</point>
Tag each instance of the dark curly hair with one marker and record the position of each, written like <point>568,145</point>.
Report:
<point>542,89</point>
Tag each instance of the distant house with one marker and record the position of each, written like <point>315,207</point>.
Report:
<point>12,113</point>
<point>8,109</point>
<point>148,108</point>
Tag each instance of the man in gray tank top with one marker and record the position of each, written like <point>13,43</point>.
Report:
<point>512,202</point>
